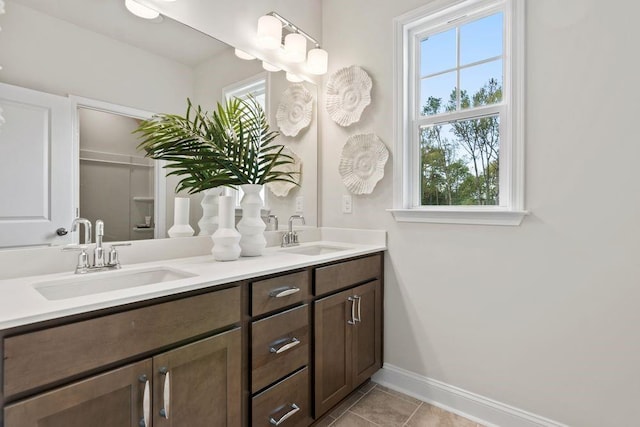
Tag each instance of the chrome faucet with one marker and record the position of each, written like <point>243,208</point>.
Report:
<point>290,238</point>
<point>99,264</point>
<point>275,221</point>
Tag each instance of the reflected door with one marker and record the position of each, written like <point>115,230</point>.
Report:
<point>36,168</point>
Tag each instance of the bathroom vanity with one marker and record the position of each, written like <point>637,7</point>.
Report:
<point>275,340</point>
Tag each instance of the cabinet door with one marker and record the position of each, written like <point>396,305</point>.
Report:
<point>199,385</point>
<point>367,332</point>
<point>333,335</point>
<point>112,399</point>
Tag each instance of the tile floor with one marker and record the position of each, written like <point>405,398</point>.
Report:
<point>374,405</point>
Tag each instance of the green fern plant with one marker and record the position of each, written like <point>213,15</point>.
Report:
<point>230,146</point>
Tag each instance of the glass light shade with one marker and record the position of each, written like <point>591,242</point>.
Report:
<point>141,10</point>
<point>269,32</point>
<point>270,67</point>
<point>317,61</point>
<point>294,78</point>
<point>295,47</point>
<point>244,55</point>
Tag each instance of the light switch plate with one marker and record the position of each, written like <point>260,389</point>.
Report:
<point>347,204</point>
<point>299,204</point>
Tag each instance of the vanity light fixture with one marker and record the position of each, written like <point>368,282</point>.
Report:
<point>141,10</point>
<point>270,67</point>
<point>244,55</point>
<point>295,42</point>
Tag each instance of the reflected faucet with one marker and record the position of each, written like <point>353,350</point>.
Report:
<point>290,238</point>
<point>87,228</point>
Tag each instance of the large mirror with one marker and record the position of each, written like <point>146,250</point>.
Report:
<point>114,69</point>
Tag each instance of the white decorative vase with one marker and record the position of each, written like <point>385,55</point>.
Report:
<point>226,238</point>
<point>251,226</point>
<point>208,224</point>
<point>181,227</point>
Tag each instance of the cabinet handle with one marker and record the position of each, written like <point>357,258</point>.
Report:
<point>294,408</point>
<point>146,401</point>
<point>359,299</point>
<point>290,343</point>
<point>353,311</point>
<point>166,393</point>
<point>284,291</point>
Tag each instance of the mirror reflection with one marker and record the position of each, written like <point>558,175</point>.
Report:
<point>113,69</point>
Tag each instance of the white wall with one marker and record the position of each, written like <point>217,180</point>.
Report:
<point>543,316</point>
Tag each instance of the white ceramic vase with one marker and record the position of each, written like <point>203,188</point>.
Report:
<point>208,224</point>
<point>226,238</point>
<point>251,226</point>
<point>181,227</point>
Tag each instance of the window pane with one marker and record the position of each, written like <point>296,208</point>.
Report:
<point>438,52</point>
<point>481,39</point>
<point>437,94</point>
<point>481,84</point>
<point>459,162</point>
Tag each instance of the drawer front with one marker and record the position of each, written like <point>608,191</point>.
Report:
<point>279,346</point>
<point>272,294</point>
<point>285,404</point>
<point>43,357</point>
<point>337,276</point>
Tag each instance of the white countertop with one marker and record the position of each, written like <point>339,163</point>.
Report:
<point>22,304</point>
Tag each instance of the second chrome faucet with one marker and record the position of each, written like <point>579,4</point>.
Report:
<point>290,238</point>
<point>99,264</point>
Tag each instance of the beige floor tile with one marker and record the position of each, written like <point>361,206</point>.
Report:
<point>352,420</point>
<point>398,394</point>
<point>383,408</point>
<point>367,387</point>
<point>348,403</point>
<point>432,416</point>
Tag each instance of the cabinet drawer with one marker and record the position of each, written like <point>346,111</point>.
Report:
<point>272,294</point>
<point>289,398</point>
<point>337,276</point>
<point>279,346</point>
<point>43,357</point>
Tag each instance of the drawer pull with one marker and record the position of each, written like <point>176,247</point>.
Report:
<point>294,408</point>
<point>146,402</point>
<point>359,299</point>
<point>284,345</point>
<point>352,321</point>
<point>284,291</point>
<point>166,393</point>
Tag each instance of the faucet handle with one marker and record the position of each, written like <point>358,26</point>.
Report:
<point>113,254</point>
<point>83,258</point>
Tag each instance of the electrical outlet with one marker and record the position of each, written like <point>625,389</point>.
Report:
<point>347,204</point>
<point>299,204</point>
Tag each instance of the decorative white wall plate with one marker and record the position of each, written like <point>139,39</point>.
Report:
<point>294,111</point>
<point>362,162</point>
<point>282,188</point>
<point>348,93</point>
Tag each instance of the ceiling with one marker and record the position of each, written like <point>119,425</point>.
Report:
<point>164,37</point>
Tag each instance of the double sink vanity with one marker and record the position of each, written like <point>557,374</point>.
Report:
<point>273,340</point>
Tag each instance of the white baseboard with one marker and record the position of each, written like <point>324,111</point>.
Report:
<point>453,399</point>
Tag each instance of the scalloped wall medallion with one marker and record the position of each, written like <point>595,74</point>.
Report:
<point>294,110</point>
<point>282,188</point>
<point>348,94</point>
<point>362,162</point>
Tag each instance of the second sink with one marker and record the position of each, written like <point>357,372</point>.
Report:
<point>95,283</point>
<point>314,249</point>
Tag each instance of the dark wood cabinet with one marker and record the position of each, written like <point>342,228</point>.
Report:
<point>113,399</point>
<point>348,342</point>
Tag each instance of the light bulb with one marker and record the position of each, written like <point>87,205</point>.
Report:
<point>294,78</point>
<point>244,55</point>
<point>270,67</point>
<point>295,47</point>
<point>269,32</point>
<point>141,10</point>
<point>317,61</point>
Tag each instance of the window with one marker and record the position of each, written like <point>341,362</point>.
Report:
<point>459,70</point>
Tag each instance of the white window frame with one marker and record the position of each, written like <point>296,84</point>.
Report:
<point>407,29</point>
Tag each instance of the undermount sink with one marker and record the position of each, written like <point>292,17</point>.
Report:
<point>95,283</point>
<point>314,249</point>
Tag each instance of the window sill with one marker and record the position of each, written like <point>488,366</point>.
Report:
<point>452,215</point>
